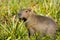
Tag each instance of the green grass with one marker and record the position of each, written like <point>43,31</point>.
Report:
<point>10,26</point>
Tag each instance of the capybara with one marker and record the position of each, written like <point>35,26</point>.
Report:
<point>37,23</point>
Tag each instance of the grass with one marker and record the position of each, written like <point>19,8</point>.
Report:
<point>10,26</point>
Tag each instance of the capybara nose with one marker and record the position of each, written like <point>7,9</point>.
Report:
<point>19,15</point>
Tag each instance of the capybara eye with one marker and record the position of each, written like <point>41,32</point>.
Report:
<point>26,11</point>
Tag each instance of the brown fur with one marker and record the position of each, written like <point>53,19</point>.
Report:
<point>38,23</point>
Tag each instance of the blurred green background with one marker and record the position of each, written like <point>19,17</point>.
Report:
<point>10,26</point>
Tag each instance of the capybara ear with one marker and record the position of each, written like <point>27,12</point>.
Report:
<point>30,9</point>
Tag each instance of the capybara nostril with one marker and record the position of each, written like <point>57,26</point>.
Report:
<point>19,15</point>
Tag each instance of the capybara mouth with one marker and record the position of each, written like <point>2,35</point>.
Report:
<point>24,19</point>
<point>20,19</point>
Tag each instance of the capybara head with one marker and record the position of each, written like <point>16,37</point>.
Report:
<point>24,13</point>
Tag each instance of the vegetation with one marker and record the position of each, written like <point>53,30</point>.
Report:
<point>10,26</point>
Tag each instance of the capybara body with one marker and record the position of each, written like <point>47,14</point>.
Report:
<point>37,23</point>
